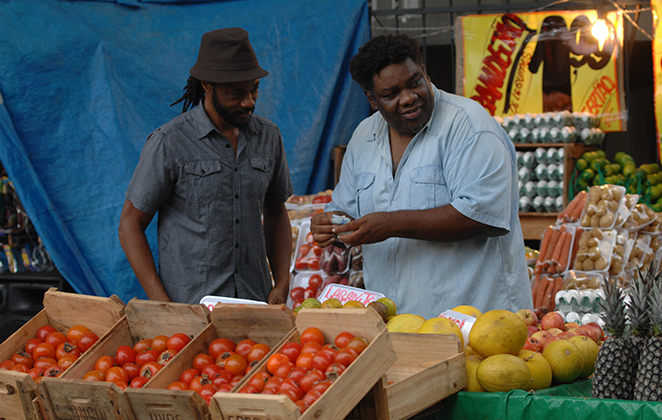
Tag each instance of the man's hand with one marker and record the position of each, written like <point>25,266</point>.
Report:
<point>369,229</point>
<point>321,227</point>
<point>279,294</point>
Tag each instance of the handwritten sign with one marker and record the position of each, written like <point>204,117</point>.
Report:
<point>211,301</point>
<point>465,322</point>
<point>346,293</point>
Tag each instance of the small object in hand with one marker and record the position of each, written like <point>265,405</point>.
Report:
<point>338,219</point>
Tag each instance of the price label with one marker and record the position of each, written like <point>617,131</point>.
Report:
<point>346,293</point>
<point>465,322</point>
<point>211,301</point>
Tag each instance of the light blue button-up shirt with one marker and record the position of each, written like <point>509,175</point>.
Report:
<point>462,157</point>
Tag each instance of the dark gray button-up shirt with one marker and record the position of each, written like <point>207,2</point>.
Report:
<point>210,235</point>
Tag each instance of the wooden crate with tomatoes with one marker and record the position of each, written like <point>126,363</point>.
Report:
<point>332,398</point>
<point>61,312</point>
<point>429,368</point>
<point>88,395</point>
<point>248,326</point>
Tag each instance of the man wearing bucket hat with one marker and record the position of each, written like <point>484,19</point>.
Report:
<point>218,177</point>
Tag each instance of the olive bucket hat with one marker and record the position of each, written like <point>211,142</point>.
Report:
<point>226,56</point>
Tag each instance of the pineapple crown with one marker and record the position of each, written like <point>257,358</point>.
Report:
<point>655,307</point>
<point>637,308</point>
<point>614,309</point>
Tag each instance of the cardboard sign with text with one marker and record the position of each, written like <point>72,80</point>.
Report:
<point>465,322</point>
<point>347,293</point>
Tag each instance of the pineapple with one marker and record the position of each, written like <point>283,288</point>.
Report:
<point>638,313</point>
<point>615,369</point>
<point>648,385</point>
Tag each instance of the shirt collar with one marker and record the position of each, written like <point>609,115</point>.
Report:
<point>204,125</point>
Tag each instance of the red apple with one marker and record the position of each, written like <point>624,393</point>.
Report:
<point>594,331</point>
<point>552,320</point>
<point>570,325</point>
<point>529,316</point>
<point>532,329</point>
<point>564,335</point>
<point>545,337</point>
<point>554,331</point>
<point>534,344</point>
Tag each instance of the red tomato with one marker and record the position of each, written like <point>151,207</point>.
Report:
<point>297,292</point>
<point>291,394</point>
<point>322,199</point>
<point>300,264</point>
<point>142,345</point>
<point>224,388</point>
<point>275,360</point>
<point>23,359</point>
<point>244,347</point>
<point>223,378</point>
<point>66,348</point>
<point>309,238</point>
<point>31,344</point>
<point>289,384</point>
<point>315,281</point>
<point>166,356</point>
<point>138,382</point>
<point>317,250</point>
<point>248,389</point>
<point>305,248</point>
<point>178,386</point>
<point>311,396</point>
<point>197,383</point>
<point>236,364</point>
<point>67,360</point>
<point>314,263</point>
<point>312,334</point>
<point>345,356</point>
<point>35,373</point>
<point>7,365</point>
<point>75,333</point>
<point>54,371</point>
<point>258,352</point>
<point>146,356</point>
<point>258,380</point>
<point>321,361</point>
<point>44,332</point>
<point>220,346</point>
<point>311,378</point>
<point>104,363</point>
<point>121,384</point>
<point>303,406</point>
<point>43,350</point>
<point>55,339</point>
<point>117,374</point>
<point>220,360</point>
<point>311,347</point>
<point>358,344</point>
<point>342,339</point>
<point>283,370</point>
<point>20,367</point>
<point>201,360</point>
<point>132,369</point>
<point>207,391</point>
<point>329,349</point>
<point>305,360</point>
<point>125,354</point>
<point>149,369</point>
<point>87,340</point>
<point>309,292</point>
<point>160,343</point>
<point>95,375</point>
<point>178,341</point>
<point>211,371</point>
<point>334,370</point>
<point>45,363</point>
<point>291,350</point>
<point>236,380</point>
<point>188,375</point>
<point>272,384</point>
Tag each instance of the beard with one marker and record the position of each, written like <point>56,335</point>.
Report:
<point>230,117</point>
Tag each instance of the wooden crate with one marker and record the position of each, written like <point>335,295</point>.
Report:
<point>263,324</point>
<point>350,387</point>
<point>430,367</point>
<point>74,398</point>
<point>61,311</point>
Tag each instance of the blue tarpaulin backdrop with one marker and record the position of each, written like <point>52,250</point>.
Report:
<point>84,82</point>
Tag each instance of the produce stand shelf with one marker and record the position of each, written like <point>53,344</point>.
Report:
<point>534,224</point>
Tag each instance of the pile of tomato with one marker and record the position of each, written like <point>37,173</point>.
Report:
<point>303,370</point>
<point>313,290</point>
<point>51,352</point>
<point>309,255</point>
<point>221,368</point>
<point>134,366</point>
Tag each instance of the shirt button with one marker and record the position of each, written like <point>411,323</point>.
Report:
<point>236,196</point>
<point>393,203</point>
<point>391,286</point>
<point>227,146</point>
<point>236,245</point>
<point>389,177</point>
<point>390,257</point>
<point>236,270</point>
<point>237,221</point>
<point>236,169</point>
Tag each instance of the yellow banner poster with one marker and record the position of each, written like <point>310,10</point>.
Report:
<point>657,71</point>
<point>542,62</point>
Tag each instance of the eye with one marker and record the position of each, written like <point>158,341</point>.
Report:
<point>415,83</point>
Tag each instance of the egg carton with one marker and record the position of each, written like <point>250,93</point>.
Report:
<point>581,302</point>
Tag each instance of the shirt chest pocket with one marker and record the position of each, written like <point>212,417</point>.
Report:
<point>203,181</point>
<point>365,203</point>
<point>261,170</point>
<point>428,188</point>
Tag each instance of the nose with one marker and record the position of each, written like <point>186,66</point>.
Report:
<point>248,101</point>
<point>407,97</point>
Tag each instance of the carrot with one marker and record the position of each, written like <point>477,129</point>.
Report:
<point>556,255</point>
<point>548,284</point>
<point>540,292</point>
<point>564,216</point>
<point>535,283</point>
<point>565,252</point>
<point>558,285</point>
<point>548,300</point>
<point>552,243</point>
<point>546,237</point>
<point>576,214</point>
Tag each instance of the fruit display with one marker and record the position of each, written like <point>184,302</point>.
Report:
<point>509,351</point>
<point>49,353</point>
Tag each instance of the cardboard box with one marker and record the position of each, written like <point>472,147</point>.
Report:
<point>261,323</point>
<point>350,387</point>
<point>75,398</point>
<point>430,367</point>
<point>61,311</point>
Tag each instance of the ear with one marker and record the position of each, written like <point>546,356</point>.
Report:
<point>371,99</point>
<point>207,86</point>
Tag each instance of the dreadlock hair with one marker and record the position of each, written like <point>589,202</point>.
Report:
<point>381,52</point>
<point>194,93</point>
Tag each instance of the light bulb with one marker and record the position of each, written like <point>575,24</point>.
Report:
<point>600,31</point>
